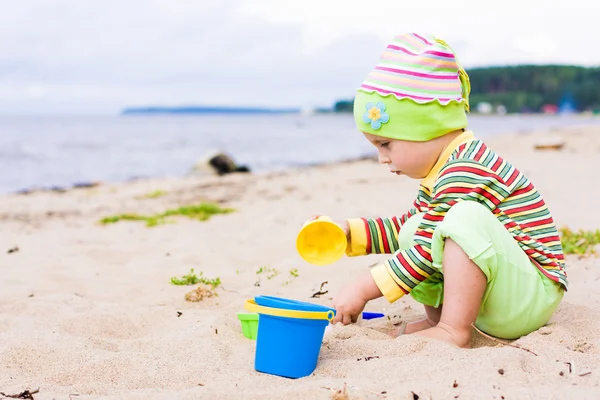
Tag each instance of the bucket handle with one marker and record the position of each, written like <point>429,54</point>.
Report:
<point>280,312</point>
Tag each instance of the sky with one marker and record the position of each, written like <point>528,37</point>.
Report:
<point>97,57</point>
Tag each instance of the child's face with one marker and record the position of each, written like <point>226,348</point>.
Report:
<point>413,159</point>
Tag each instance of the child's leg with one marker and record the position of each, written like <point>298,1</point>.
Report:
<point>464,286</point>
<point>487,279</point>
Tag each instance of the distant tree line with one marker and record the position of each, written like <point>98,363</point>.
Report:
<point>527,88</point>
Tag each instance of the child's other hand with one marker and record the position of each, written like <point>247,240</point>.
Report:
<point>351,301</point>
<point>348,305</point>
<point>342,224</point>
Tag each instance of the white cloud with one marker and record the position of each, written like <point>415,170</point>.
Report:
<point>489,33</point>
<point>99,56</point>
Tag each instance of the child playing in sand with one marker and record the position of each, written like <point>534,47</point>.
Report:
<point>479,246</point>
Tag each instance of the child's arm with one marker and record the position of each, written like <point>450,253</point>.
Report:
<point>375,235</point>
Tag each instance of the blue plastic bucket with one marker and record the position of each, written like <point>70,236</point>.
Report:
<point>289,336</point>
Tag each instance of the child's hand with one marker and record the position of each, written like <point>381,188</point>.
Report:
<point>342,224</point>
<point>348,305</point>
<point>351,301</point>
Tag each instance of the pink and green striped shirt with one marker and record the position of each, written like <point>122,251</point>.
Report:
<point>468,171</point>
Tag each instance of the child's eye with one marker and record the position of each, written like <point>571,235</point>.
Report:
<point>386,144</point>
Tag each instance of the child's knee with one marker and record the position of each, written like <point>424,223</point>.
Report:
<point>469,221</point>
<point>474,231</point>
<point>471,211</point>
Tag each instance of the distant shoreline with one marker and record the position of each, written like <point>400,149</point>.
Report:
<point>208,110</point>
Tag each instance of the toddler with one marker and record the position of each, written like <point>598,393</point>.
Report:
<point>479,245</point>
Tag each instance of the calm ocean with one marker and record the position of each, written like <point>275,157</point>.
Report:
<point>60,151</point>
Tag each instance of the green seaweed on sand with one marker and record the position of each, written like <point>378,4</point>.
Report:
<point>156,194</point>
<point>191,279</point>
<point>200,212</point>
<point>579,242</point>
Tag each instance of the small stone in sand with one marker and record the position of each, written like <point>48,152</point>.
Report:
<point>544,330</point>
<point>549,144</point>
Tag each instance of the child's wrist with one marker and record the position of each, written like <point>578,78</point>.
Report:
<point>367,288</point>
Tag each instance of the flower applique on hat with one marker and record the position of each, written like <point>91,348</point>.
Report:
<point>375,114</point>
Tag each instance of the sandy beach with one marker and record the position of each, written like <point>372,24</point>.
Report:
<point>87,310</point>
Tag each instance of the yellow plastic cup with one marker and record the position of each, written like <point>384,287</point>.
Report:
<point>321,241</point>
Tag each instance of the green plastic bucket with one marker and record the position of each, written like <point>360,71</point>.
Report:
<point>249,323</point>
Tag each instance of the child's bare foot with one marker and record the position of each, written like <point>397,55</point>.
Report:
<point>391,330</point>
<point>406,328</point>
<point>419,326</point>
<point>450,335</point>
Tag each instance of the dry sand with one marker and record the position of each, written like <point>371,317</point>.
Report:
<point>87,311</point>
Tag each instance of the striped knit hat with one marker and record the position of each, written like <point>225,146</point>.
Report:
<point>418,91</point>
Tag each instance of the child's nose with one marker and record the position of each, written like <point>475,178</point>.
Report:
<point>383,159</point>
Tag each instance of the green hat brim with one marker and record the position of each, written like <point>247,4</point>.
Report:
<point>405,119</point>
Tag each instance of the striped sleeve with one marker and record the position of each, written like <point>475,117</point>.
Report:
<point>459,180</point>
<point>375,235</point>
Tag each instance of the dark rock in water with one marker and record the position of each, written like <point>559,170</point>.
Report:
<point>242,168</point>
<point>221,164</point>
